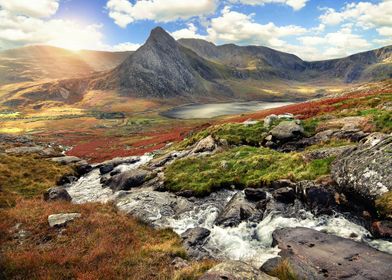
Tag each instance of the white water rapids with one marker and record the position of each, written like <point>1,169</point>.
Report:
<point>249,241</point>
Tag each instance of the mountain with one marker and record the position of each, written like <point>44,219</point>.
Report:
<point>34,63</point>
<point>193,70</point>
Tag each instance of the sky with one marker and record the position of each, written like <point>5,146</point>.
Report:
<point>311,29</point>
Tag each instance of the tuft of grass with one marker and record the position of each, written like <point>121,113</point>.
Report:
<point>310,125</point>
<point>384,205</point>
<point>244,166</point>
<point>284,271</point>
<point>102,244</point>
<point>194,271</point>
<point>27,176</point>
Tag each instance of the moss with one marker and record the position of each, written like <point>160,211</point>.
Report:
<point>310,126</point>
<point>242,167</point>
<point>384,205</point>
<point>27,176</point>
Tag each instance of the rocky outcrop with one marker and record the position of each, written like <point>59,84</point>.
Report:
<point>59,220</point>
<point>57,193</point>
<point>365,171</point>
<point>207,144</point>
<point>317,255</point>
<point>235,270</point>
<point>128,179</point>
<point>287,130</point>
<point>326,153</point>
<point>193,240</point>
<point>40,150</point>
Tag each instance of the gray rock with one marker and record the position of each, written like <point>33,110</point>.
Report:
<point>106,165</point>
<point>269,120</point>
<point>326,152</point>
<point>235,270</point>
<point>41,150</point>
<point>316,255</point>
<point>287,130</point>
<point>237,210</point>
<point>66,160</point>
<point>366,169</point>
<point>194,239</point>
<point>207,144</point>
<point>285,195</point>
<point>139,203</point>
<point>57,193</point>
<point>128,179</point>
<point>255,194</point>
<point>59,220</point>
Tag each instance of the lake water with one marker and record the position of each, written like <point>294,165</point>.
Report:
<point>211,110</point>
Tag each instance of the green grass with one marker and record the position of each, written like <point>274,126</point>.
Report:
<point>382,120</point>
<point>384,205</point>
<point>242,167</point>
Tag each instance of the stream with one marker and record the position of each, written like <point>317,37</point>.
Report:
<point>249,241</point>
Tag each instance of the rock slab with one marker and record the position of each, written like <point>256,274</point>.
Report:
<point>58,220</point>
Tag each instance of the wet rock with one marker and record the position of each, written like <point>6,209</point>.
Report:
<point>128,179</point>
<point>82,168</point>
<point>287,130</point>
<point>318,197</point>
<point>57,193</point>
<point>255,194</point>
<point>59,220</point>
<point>237,210</point>
<point>316,255</point>
<point>366,169</point>
<point>235,270</point>
<point>194,239</point>
<point>152,207</point>
<point>66,179</point>
<point>282,183</point>
<point>116,162</point>
<point>382,229</point>
<point>285,195</point>
<point>106,168</point>
<point>207,144</point>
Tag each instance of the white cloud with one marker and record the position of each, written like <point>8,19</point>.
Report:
<point>124,12</point>
<point>385,31</point>
<point>235,27</point>
<point>34,8</point>
<point>295,4</point>
<point>127,46</point>
<point>189,32</point>
<point>363,14</point>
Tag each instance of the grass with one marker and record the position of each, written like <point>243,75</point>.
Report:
<point>102,244</point>
<point>242,167</point>
<point>195,271</point>
<point>284,271</point>
<point>384,205</point>
<point>382,120</point>
<point>27,176</point>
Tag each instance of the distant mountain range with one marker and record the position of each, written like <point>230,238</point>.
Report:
<point>193,69</point>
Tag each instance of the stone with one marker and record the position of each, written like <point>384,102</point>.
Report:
<point>255,194</point>
<point>57,193</point>
<point>269,120</point>
<point>366,170</point>
<point>207,144</point>
<point>326,152</point>
<point>193,240</point>
<point>128,179</point>
<point>237,210</point>
<point>250,122</point>
<point>317,255</point>
<point>41,150</point>
<point>285,195</point>
<point>287,130</point>
<point>59,220</point>
<point>382,229</point>
<point>117,161</point>
<point>282,183</point>
<point>106,168</point>
<point>66,160</point>
<point>235,270</point>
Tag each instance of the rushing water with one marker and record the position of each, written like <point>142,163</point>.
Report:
<point>249,241</point>
<point>200,111</point>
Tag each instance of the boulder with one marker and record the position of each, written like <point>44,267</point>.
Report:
<point>237,210</point>
<point>194,239</point>
<point>128,179</point>
<point>57,193</point>
<point>318,197</point>
<point>269,120</point>
<point>382,229</point>
<point>365,171</point>
<point>326,152</point>
<point>117,161</point>
<point>59,220</point>
<point>235,270</point>
<point>106,168</point>
<point>287,130</point>
<point>284,195</point>
<point>317,255</point>
<point>255,194</point>
<point>207,144</point>
<point>66,160</point>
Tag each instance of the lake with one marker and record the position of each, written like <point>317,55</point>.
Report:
<point>211,110</point>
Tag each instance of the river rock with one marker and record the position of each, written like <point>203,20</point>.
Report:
<point>255,194</point>
<point>237,210</point>
<point>128,179</point>
<point>382,229</point>
<point>235,270</point>
<point>207,144</point>
<point>366,169</point>
<point>194,239</point>
<point>285,195</point>
<point>287,130</point>
<point>316,255</point>
<point>59,220</point>
<point>111,164</point>
<point>152,207</point>
<point>318,197</point>
<point>57,193</point>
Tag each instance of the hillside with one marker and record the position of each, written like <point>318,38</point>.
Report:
<point>34,63</point>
